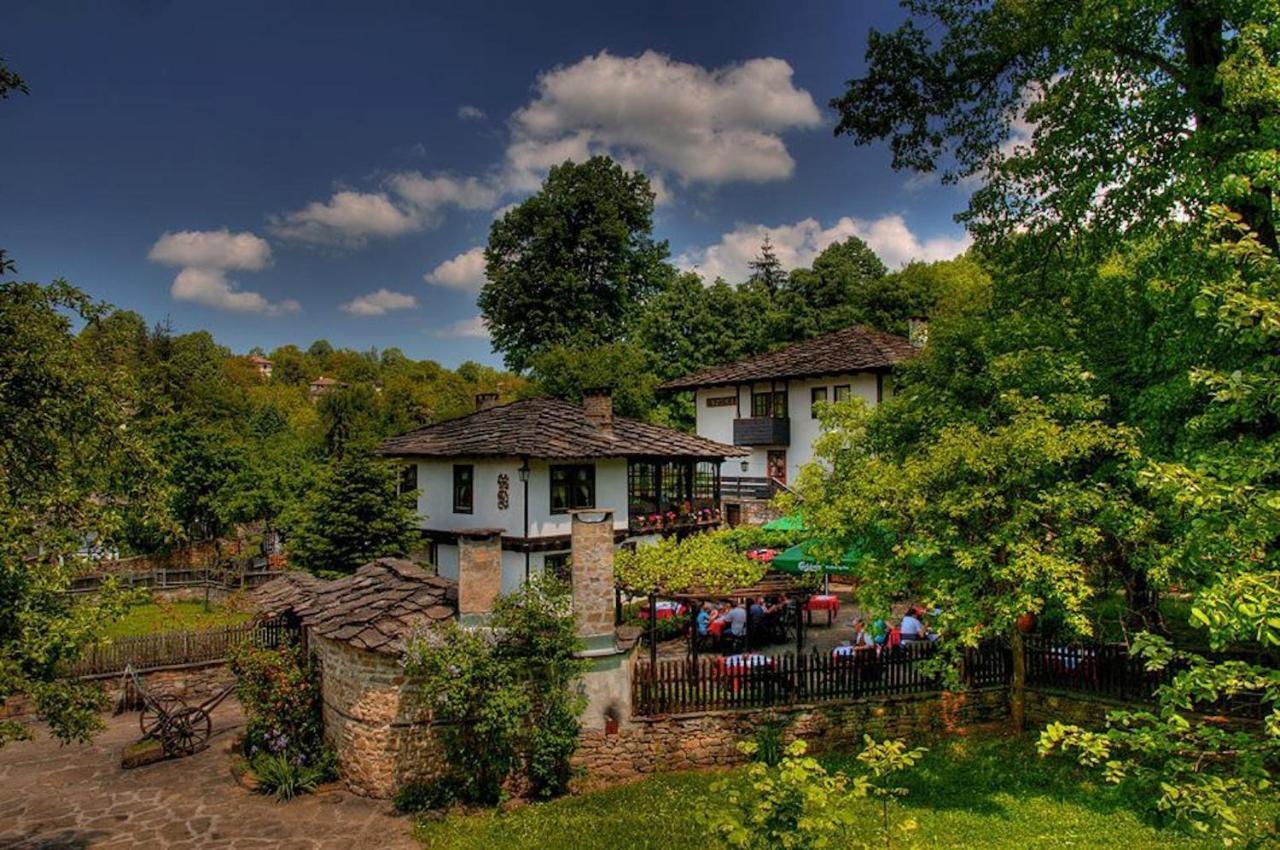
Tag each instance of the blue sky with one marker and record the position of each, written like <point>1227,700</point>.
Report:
<point>281,172</point>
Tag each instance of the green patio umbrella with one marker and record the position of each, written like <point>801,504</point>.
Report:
<point>792,522</point>
<point>798,560</point>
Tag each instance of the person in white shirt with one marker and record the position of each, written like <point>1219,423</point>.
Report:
<point>912,628</point>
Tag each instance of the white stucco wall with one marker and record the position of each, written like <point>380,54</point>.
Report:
<point>716,423</point>
<point>435,496</point>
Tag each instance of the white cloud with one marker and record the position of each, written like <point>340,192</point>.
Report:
<point>348,218</point>
<point>473,328</point>
<point>211,249</point>
<point>205,257</point>
<point>465,271</point>
<point>428,194</point>
<point>798,244</point>
<point>211,288</point>
<point>379,303</point>
<point>467,112</point>
<point>702,125</point>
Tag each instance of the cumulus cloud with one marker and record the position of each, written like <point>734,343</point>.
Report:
<point>467,112</point>
<point>409,201</point>
<point>205,257</point>
<point>211,288</point>
<point>211,249</point>
<point>473,328</point>
<point>379,303</point>
<point>798,244</point>
<point>702,125</point>
<point>465,271</point>
<point>348,218</point>
<point>428,194</point>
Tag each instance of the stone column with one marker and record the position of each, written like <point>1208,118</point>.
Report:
<point>479,573</point>
<point>593,602</point>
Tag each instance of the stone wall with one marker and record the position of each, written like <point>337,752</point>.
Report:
<point>709,739</point>
<point>1046,706</point>
<point>382,737</point>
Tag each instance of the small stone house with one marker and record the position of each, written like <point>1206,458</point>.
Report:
<point>358,628</point>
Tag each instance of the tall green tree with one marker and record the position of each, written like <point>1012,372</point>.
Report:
<point>71,472</point>
<point>353,512</point>
<point>572,264</point>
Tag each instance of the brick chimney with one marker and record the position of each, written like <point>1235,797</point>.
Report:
<point>597,403</point>
<point>479,573</point>
<point>591,541</point>
<point>918,331</point>
<point>484,401</point>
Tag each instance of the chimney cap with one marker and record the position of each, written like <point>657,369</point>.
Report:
<point>595,392</point>
<point>484,401</point>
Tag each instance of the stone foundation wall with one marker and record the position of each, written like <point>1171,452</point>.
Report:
<point>382,737</point>
<point>709,739</point>
<point>193,684</point>
<point>1090,712</point>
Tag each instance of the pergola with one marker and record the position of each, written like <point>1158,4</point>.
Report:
<point>771,585</point>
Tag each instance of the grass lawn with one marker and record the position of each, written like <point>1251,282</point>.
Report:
<point>990,793</point>
<point>152,617</point>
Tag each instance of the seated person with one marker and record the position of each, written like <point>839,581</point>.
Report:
<point>756,613</point>
<point>704,619</point>
<point>912,627</point>
<point>862,637</point>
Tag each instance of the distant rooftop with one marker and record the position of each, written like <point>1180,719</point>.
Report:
<point>548,428</point>
<point>853,349</point>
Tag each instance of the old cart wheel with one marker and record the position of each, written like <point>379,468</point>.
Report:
<point>190,730</point>
<point>154,713</point>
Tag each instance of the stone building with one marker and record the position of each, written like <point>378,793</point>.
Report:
<point>358,628</point>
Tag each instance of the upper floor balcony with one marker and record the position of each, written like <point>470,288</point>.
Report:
<point>762,431</point>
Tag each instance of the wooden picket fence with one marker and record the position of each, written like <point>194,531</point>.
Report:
<point>172,649</point>
<point>710,684</point>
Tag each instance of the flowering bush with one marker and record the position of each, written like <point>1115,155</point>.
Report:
<point>280,691</point>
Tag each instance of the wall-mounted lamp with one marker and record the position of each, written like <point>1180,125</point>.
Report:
<point>523,471</point>
<point>745,466</point>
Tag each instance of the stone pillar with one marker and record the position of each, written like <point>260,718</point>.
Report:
<point>593,600</point>
<point>479,573</point>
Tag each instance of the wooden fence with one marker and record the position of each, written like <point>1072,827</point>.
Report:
<point>247,576</point>
<point>1108,670</point>
<point>712,683</point>
<point>172,649</point>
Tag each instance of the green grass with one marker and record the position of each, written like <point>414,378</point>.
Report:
<point>150,618</point>
<point>965,794</point>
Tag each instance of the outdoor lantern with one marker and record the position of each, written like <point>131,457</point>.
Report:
<point>745,466</point>
<point>524,472</point>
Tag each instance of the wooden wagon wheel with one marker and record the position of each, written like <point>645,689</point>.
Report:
<point>156,711</point>
<point>189,731</point>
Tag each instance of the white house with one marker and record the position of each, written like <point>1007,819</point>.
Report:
<point>519,468</point>
<point>766,405</point>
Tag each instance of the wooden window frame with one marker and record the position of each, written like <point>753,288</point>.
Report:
<point>814,401</point>
<point>835,392</point>
<point>569,482</point>
<point>470,470</point>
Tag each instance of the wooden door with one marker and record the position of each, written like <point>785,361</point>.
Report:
<point>777,465</point>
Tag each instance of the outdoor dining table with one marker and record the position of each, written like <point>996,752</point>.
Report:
<point>666,610</point>
<point>828,602</point>
<point>735,667</point>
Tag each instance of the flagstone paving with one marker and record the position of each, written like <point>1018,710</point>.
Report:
<point>78,796</point>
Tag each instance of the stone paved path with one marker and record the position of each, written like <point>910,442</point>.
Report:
<point>78,797</point>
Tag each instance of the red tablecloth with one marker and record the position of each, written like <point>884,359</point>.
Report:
<point>823,602</point>
<point>666,610</point>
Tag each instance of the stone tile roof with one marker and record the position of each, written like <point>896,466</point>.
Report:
<point>375,609</point>
<point>853,349</point>
<point>547,428</point>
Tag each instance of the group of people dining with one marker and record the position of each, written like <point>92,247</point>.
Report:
<point>884,633</point>
<point>731,626</point>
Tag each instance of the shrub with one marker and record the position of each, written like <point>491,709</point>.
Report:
<point>427,795</point>
<point>768,741</point>
<point>507,693</point>
<point>285,777</point>
<point>796,804</point>
<point>284,728</point>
